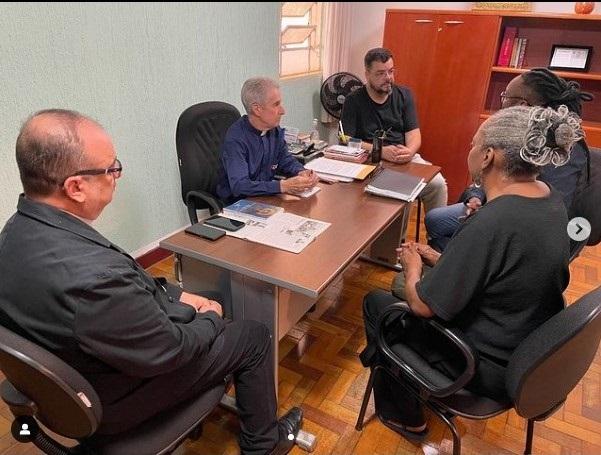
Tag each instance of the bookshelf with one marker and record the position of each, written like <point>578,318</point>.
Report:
<point>449,60</point>
<point>542,32</point>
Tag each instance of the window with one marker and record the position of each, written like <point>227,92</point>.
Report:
<point>300,38</point>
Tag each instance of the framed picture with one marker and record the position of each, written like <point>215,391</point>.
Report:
<point>570,58</point>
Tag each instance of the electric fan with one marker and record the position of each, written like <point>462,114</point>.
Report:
<point>335,89</point>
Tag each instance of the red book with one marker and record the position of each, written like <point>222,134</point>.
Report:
<point>507,46</point>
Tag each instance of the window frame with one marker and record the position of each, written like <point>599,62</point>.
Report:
<point>314,41</point>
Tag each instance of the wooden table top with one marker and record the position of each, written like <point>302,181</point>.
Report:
<point>356,217</point>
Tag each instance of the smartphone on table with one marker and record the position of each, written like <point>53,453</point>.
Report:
<point>222,222</point>
<point>206,232</point>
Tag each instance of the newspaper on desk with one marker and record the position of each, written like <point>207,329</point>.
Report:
<point>283,230</point>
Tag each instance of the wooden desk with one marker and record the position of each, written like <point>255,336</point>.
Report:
<point>277,287</point>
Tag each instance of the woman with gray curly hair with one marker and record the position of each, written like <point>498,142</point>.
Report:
<point>536,87</point>
<point>502,274</point>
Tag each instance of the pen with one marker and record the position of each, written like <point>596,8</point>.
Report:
<point>341,129</point>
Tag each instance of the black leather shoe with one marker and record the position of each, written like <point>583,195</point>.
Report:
<point>288,427</point>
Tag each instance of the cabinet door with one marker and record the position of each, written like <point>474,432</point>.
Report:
<point>411,37</point>
<point>463,56</point>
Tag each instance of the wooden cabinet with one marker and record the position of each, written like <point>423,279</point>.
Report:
<point>448,59</point>
<point>542,32</point>
<point>445,58</point>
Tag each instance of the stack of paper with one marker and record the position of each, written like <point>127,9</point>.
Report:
<point>345,153</point>
<point>338,169</point>
<point>397,185</point>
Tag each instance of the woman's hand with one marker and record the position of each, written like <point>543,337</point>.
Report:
<point>410,259</point>
<point>428,254</point>
<point>473,205</point>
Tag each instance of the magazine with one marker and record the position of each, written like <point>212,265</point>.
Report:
<point>251,210</point>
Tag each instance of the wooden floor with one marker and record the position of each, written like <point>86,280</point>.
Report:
<point>320,371</point>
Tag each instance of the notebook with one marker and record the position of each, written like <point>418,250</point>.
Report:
<point>397,185</point>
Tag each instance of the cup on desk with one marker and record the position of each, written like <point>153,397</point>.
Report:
<point>354,143</point>
<point>343,139</point>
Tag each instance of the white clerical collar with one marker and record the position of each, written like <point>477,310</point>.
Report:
<point>263,133</point>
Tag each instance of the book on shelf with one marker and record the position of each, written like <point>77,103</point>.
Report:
<point>397,185</point>
<point>523,44</point>
<point>506,48</point>
<point>515,52</point>
<point>253,210</point>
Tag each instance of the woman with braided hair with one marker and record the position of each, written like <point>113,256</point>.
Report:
<point>503,273</point>
<point>537,87</point>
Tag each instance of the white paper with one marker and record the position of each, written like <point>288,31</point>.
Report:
<point>333,178</point>
<point>345,150</point>
<point>310,192</point>
<point>285,231</point>
<point>335,167</point>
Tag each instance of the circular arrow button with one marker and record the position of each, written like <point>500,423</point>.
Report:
<point>579,229</point>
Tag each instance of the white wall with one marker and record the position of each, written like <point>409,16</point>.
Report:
<point>368,22</point>
<point>135,68</point>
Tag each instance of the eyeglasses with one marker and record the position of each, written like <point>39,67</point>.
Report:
<point>115,170</point>
<point>504,98</point>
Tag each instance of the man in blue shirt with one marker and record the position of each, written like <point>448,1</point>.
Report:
<point>254,150</point>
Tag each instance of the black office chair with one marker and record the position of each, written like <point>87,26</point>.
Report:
<point>199,136</point>
<point>588,197</point>
<point>40,385</point>
<point>542,371</point>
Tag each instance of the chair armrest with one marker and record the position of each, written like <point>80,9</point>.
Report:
<point>411,371</point>
<point>215,205</point>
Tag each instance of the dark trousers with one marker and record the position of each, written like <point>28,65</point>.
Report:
<point>392,400</point>
<point>242,350</point>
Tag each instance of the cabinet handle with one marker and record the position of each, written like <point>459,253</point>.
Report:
<point>424,21</point>
<point>453,22</point>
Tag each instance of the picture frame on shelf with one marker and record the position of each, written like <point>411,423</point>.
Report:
<point>568,57</point>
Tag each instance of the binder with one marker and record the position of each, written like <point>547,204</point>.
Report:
<point>397,185</point>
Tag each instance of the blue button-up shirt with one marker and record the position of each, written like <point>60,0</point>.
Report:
<point>251,160</point>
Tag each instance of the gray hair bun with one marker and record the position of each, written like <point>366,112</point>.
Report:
<point>551,136</point>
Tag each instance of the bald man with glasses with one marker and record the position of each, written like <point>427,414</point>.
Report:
<point>143,344</point>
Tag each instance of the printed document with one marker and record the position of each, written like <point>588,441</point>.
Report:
<point>283,230</point>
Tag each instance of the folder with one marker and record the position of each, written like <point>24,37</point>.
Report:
<point>397,185</point>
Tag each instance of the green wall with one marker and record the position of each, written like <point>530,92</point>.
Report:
<point>135,68</point>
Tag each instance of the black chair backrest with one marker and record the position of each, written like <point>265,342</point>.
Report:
<point>64,401</point>
<point>587,200</point>
<point>199,136</point>
<point>548,364</point>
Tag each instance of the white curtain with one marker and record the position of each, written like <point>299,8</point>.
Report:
<point>337,42</point>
